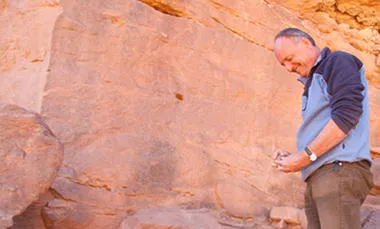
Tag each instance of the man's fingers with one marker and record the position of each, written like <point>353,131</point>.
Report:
<point>282,169</point>
<point>279,161</point>
<point>280,154</point>
<point>284,153</point>
<point>280,166</point>
<point>276,154</point>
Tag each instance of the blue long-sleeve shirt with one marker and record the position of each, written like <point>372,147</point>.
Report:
<point>336,89</point>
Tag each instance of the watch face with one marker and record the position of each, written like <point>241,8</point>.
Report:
<point>313,157</point>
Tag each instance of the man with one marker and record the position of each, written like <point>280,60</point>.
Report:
<point>333,139</point>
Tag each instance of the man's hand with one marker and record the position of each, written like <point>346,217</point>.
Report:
<point>287,162</point>
<point>279,155</point>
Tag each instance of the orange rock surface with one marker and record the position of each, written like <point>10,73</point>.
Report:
<point>30,156</point>
<point>171,104</point>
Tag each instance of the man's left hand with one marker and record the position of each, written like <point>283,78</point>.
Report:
<point>293,162</point>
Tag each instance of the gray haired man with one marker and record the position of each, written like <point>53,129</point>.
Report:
<point>333,140</point>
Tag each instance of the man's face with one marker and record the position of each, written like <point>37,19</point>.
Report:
<point>295,55</point>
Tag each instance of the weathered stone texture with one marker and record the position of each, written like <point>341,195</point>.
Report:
<point>162,103</point>
<point>30,156</point>
<point>376,176</point>
<point>152,114</point>
<point>171,219</point>
<point>170,104</point>
<point>25,44</point>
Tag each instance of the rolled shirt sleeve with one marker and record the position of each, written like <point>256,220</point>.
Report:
<point>346,90</point>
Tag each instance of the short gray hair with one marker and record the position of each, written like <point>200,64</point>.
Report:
<point>294,33</point>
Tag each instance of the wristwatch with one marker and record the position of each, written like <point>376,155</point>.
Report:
<point>311,154</point>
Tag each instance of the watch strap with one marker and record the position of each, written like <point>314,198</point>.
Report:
<point>308,151</point>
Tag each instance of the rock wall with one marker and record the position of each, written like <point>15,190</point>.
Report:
<point>167,104</point>
<point>25,44</point>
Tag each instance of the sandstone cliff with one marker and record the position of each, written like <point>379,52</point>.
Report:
<point>167,104</point>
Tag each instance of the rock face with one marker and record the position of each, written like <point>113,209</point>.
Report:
<point>167,104</point>
<point>376,178</point>
<point>171,219</point>
<point>31,217</point>
<point>25,50</point>
<point>30,156</point>
<point>145,125</point>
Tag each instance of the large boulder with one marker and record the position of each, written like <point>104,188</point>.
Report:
<point>30,156</point>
